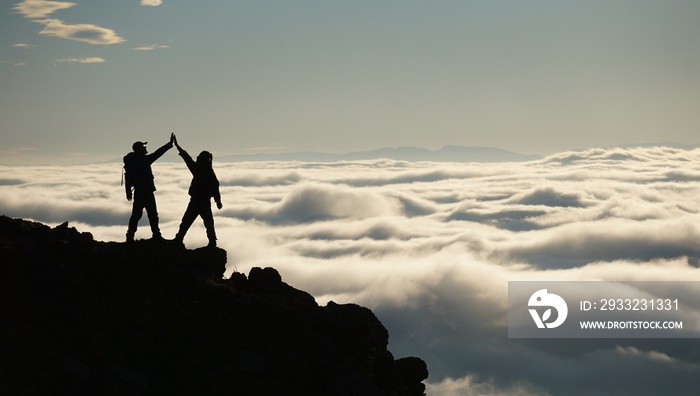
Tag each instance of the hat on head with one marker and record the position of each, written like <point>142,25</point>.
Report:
<point>138,145</point>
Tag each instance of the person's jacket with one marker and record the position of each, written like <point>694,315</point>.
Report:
<point>204,182</point>
<point>138,169</point>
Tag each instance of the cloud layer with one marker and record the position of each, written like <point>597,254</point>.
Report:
<point>430,248</point>
<point>40,10</point>
<point>86,33</point>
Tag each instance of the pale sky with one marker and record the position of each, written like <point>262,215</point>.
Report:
<point>80,81</point>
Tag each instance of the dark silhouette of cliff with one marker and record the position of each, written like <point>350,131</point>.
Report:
<point>84,317</point>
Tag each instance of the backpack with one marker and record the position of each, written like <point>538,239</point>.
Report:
<point>128,172</point>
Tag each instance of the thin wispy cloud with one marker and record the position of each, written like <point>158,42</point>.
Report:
<point>38,9</point>
<point>20,64</point>
<point>652,355</point>
<point>22,45</point>
<point>17,155</point>
<point>16,150</point>
<point>86,33</point>
<point>151,47</point>
<point>151,3</point>
<point>81,60</point>
<point>431,247</point>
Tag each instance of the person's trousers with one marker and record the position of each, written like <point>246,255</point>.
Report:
<point>197,207</point>
<point>143,200</point>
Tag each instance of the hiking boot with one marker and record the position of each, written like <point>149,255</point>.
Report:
<point>129,238</point>
<point>211,236</point>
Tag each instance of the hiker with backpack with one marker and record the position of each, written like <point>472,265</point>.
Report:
<point>140,185</point>
<point>203,187</point>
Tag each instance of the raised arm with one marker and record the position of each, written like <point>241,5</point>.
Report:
<point>161,150</point>
<point>185,156</point>
<point>173,139</point>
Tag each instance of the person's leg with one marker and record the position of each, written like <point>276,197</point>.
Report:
<point>152,211</point>
<point>136,213</point>
<point>187,220</point>
<point>208,218</point>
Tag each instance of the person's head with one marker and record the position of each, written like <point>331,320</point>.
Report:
<point>205,158</point>
<point>139,147</point>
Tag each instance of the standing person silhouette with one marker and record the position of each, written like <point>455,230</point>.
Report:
<point>139,179</point>
<point>204,186</point>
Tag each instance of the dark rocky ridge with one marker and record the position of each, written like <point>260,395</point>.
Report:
<point>84,317</point>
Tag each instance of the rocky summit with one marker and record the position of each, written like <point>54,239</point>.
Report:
<point>84,317</point>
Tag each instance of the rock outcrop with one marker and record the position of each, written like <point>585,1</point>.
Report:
<point>84,317</point>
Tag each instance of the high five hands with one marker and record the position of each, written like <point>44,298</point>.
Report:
<point>173,140</point>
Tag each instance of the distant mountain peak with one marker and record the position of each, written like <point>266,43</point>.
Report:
<point>448,153</point>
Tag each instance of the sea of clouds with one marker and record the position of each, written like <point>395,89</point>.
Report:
<point>430,248</point>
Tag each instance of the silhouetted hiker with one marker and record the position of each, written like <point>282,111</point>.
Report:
<point>204,186</point>
<point>139,177</point>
